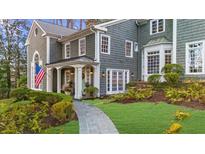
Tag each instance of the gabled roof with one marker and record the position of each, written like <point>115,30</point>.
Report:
<point>88,31</point>
<point>158,40</point>
<point>50,30</point>
<point>55,29</point>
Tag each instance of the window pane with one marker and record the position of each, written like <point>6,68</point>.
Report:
<point>120,80</point>
<point>168,57</point>
<point>153,62</point>
<point>114,80</point>
<point>128,46</point>
<point>195,58</point>
<point>82,47</point>
<point>104,44</point>
<point>154,26</point>
<point>160,25</point>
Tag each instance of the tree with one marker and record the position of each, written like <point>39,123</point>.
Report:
<point>13,34</point>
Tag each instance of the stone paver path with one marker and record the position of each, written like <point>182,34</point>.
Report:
<point>92,120</point>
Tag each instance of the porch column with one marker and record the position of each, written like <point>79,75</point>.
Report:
<point>49,77</point>
<point>97,78</point>
<point>58,79</point>
<point>78,82</point>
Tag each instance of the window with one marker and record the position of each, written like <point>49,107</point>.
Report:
<point>105,44</point>
<point>195,57</point>
<point>168,56</point>
<point>36,32</point>
<point>136,47</point>
<point>128,48</point>
<point>67,50</point>
<point>157,26</point>
<point>116,80</point>
<point>153,62</point>
<point>82,47</point>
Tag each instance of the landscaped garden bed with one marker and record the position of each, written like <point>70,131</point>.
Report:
<point>29,111</point>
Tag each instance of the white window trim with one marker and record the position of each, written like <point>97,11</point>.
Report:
<point>187,58</point>
<point>65,52</point>
<point>79,52</point>
<point>124,84</point>
<point>103,35</point>
<point>151,21</point>
<point>33,70</point>
<point>128,41</point>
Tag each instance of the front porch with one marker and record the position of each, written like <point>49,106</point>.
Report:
<point>77,72</point>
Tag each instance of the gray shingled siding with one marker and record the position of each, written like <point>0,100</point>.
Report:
<point>116,60</point>
<point>37,43</point>
<point>188,30</point>
<point>144,37</point>
<point>90,47</point>
<point>55,50</point>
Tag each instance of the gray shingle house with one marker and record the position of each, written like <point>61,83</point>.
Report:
<point>111,54</point>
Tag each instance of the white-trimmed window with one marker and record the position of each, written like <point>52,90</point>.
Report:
<point>153,62</point>
<point>195,57</point>
<point>128,48</point>
<point>82,46</point>
<point>157,26</point>
<point>116,80</point>
<point>105,44</point>
<point>67,50</point>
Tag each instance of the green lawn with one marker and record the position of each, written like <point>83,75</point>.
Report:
<point>67,128</point>
<point>149,118</point>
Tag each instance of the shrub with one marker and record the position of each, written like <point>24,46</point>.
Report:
<point>20,94</point>
<point>62,111</point>
<point>174,128</point>
<point>24,119</point>
<point>91,91</point>
<point>172,68</point>
<point>180,115</point>
<point>172,78</point>
<point>22,81</point>
<point>154,79</point>
<point>134,94</point>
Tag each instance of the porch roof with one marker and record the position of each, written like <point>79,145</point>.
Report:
<point>80,60</point>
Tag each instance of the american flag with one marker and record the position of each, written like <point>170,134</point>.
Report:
<point>39,75</point>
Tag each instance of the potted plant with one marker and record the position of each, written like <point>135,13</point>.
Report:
<point>67,89</point>
<point>91,91</point>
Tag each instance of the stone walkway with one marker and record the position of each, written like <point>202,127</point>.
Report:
<point>92,120</point>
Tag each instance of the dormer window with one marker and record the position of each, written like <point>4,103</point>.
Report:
<point>82,47</point>
<point>157,26</point>
<point>67,50</point>
<point>36,32</point>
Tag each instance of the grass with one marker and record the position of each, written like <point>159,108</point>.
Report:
<point>71,127</point>
<point>150,118</point>
<point>67,128</point>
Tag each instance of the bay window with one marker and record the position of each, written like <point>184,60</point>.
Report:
<point>153,62</point>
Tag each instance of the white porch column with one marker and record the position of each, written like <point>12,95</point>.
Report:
<point>49,77</point>
<point>78,82</point>
<point>97,78</point>
<point>174,41</point>
<point>58,79</point>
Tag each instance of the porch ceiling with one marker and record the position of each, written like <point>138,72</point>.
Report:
<point>80,60</point>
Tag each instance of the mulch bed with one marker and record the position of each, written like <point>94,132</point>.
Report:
<point>159,96</point>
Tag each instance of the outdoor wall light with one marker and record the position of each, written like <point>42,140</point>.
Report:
<point>132,74</point>
<point>103,74</point>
